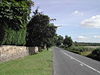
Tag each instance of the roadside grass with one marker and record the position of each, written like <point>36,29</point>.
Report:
<point>86,53</point>
<point>82,50</point>
<point>38,64</point>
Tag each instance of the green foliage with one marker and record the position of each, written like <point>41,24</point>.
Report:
<point>39,64</point>
<point>2,33</point>
<point>78,49</point>
<point>59,40</point>
<point>14,16</point>
<point>36,29</point>
<point>15,37</point>
<point>95,54</point>
<point>86,44</point>
<point>50,35</point>
<point>40,31</point>
<point>67,41</point>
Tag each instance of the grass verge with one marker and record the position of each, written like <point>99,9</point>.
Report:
<point>86,53</point>
<point>39,64</point>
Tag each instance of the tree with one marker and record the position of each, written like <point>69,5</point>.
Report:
<point>67,41</point>
<point>95,54</point>
<point>50,33</point>
<point>59,40</point>
<point>39,30</point>
<point>14,15</point>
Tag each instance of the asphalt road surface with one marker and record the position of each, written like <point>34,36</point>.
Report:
<point>68,63</point>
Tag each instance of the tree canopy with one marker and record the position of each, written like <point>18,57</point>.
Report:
<point>40,31</point>
<point>14,15</point>
<point>59,40</point>
<point>67,41</point>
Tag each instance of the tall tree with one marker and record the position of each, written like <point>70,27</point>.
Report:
<point>14,16</point>
<point>59,40</point>
<point>67,41</point>
<point>40,30</point>
<point>49,34</point>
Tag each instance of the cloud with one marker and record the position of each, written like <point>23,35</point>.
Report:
<point>82,38</point>
<point>59,2</point>
<point>89,38</point>
<point>97,36</point>
<point>56,2</point>
<point>78,13</point>
<point>93,22</point>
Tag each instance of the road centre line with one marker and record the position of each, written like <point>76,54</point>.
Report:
<point>81,62</point>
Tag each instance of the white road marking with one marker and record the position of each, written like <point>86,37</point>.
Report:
<point>82,62</point>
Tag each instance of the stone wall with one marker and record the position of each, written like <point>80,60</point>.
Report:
<point>14,52</point>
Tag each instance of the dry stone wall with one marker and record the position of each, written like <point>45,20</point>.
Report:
<point>14,52</point>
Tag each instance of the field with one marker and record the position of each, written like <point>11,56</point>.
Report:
<point>82,50</point>
<point>39,64</point>
<point>89,51</point>
<point>86,53</point>
<point>92,47</point>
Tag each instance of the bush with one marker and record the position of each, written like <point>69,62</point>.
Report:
<point>78,49</point>
<point>13,37</point>
<point>62,46</point>
<point>14,16</point>
<point>95,54</point>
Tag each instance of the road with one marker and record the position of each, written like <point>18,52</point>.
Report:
<point>68,63</point>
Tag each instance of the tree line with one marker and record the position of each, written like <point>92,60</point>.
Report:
<point>40,31</point>
<point>17,28</point>
<point>86,44</point>
<point>64,41</point>
<point>14,16</point>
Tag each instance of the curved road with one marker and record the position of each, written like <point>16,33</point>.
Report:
<point>68,63</point>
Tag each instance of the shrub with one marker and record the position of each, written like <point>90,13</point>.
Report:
<point>14,16</point>
<point>95,54</point>
<point>78,49</point>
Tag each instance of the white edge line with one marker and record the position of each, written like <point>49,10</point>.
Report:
<point>81,62</point>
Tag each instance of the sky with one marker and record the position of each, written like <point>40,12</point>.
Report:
<point>79,19</point>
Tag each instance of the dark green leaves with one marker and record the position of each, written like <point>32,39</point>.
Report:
<point>40,31</point>
<point>67,41</point>
<point>14,16</point>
